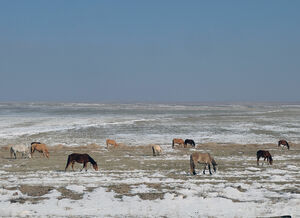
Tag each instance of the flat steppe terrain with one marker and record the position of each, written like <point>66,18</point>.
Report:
<point>131,182</point>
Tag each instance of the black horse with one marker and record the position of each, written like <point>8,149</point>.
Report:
<point>189,141</point>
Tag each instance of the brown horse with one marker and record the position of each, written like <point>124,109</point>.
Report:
<point>81,158</point>
<point>284,143</point>
<point>265,155</point>
<point>178,142</point>
<point>203,158</point>
<point>42,148</point>
<point>111,142</point>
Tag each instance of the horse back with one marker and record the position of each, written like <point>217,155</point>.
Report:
<point>156,148</point>
<point>201,157</point>
<point>178,141</point>
<point>80,158</point>
<point>189,141</point>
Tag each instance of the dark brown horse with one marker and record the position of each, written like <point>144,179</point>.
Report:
<point>265,155</point>
<point>284,143</point>
<point>81,158</point>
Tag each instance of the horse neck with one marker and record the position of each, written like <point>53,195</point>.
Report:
<point>270,158</point>
<point>91,160</point>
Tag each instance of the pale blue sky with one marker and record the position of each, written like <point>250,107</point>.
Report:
<point>158,51</point>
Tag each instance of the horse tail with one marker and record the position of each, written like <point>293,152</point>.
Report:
<point>11,151</point>
<point>68,162</point>
<point>32,148</point>
<point>153,150</point>
<point>214,164</point>
<point>192,165</point>
<point>288,146</point>
<point>173,143</point>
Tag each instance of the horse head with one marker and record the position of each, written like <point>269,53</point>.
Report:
<point>95,166</point>
<point>270,160</point>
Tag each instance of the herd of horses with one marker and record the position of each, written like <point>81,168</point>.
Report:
<point>195,157</point>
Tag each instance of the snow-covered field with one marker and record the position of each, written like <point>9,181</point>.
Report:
<point>133,183</point>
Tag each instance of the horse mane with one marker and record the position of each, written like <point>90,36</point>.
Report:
<point>92,160</point>
<point>35,143</point>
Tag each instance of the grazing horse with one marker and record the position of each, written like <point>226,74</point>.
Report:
<point>40,147</point>
<point>23,149</point>
<point>284,143</point>
<point>111,142</point>
<point>189,141</point>
<point>203,158</point>
<point>81,158</point>
<point>178,142</point>
<point>265,155</point>
<point>156,150</point>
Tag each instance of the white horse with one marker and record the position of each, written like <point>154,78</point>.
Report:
<point>23,149</point>
<point>156,150</point>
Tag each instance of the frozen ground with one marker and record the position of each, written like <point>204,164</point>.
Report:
<point>132,183</point>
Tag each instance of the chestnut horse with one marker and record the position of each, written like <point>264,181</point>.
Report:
<point>190,142</point>
<point>203,158</point>
<point>178,142</point>
<point>284,143</point>
<point>40,147</point>
<point>265,155</point>
<point>156,150</point>
<point>111,142</point>
<point>81,158</point>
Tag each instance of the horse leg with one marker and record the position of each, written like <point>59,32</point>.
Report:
<point>257,161</point>
<point>84,166</point>
<point>32,150</point>
<point>73,162</point>
<point>204,169</point>
<point>209,169</point>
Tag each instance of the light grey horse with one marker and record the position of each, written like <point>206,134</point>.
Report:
<point>23,149</point>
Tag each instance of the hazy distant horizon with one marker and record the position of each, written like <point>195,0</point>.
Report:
<point>157,102</point>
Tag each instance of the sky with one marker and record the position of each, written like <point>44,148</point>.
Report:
<point>149,51</point>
